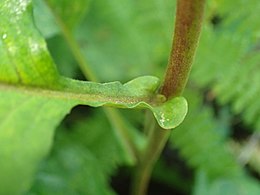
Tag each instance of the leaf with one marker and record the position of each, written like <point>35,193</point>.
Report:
<point>24,58</point>
<point>44,20</point>
<point>82,159</point>
<point>169,118</point>
<point>27,64</point>
<point>26,122</point>
<point>26,129</point>
<point>239,185</point>
<point>32,66</point>
<point>201,143</point>
<point>136,93</point>
<point>235,78</point>
<point>34,97</point>
<point>65,63</point>
<point>119,41</point>
<point>70,12</point>
<point>204,148</point>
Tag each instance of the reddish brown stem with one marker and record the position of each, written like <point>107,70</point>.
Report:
<point>186,35</point>
<point>187,30</point>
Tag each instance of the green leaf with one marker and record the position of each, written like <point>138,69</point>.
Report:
<point>234,79</point>
<point>136,93</point>
<point>239,185</point>
<point>171,113</point>
<point>26,62</point>
<point>44,20</point>
<point>201,143</point>
<point>70,12</point>
<point>119,36</point>
<point>34,97</point>
<point>82,160</point>
<point>27,68</point>
<point>27,125</point>
<point>23,53</point>
<point>65,63</point>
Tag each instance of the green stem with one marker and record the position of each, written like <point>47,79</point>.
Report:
<point>122,132</point>
<point>156,141</point>
<point>186,36</point>
<point>113,115</point>
<point>73,45</point>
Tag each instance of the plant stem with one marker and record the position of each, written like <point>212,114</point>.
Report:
<point>186,35</point>
<point>148,158</point>
<point>114,117</point>
<point>121,131</point>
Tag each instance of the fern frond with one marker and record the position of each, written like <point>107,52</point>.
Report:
<point>204,148</point>
<point>200,143</point>
<point>228,61</point>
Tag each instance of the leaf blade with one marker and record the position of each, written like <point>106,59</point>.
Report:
<point>23,143</point>
<point>35,98</point>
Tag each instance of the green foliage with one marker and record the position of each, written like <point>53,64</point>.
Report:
<point>81,160</point>
<point>66,63</point>
<point>25,142</point>
<point>209,153</point>
<point>70,12</point>
<point>41,72</point>
<point>118,36</point>
<point>206,151</point>
<point>120,41</point>
<point>43,16</point>
<point>30,83</point>
<point>228,58</point>
<point>225,186</point>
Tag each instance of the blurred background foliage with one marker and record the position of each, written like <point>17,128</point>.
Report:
<point>215,151</point>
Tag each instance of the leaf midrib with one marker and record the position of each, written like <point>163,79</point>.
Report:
<point>78,97</point>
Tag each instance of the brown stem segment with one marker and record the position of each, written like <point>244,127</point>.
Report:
<point>187,30</point>
<point>186,35</point>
